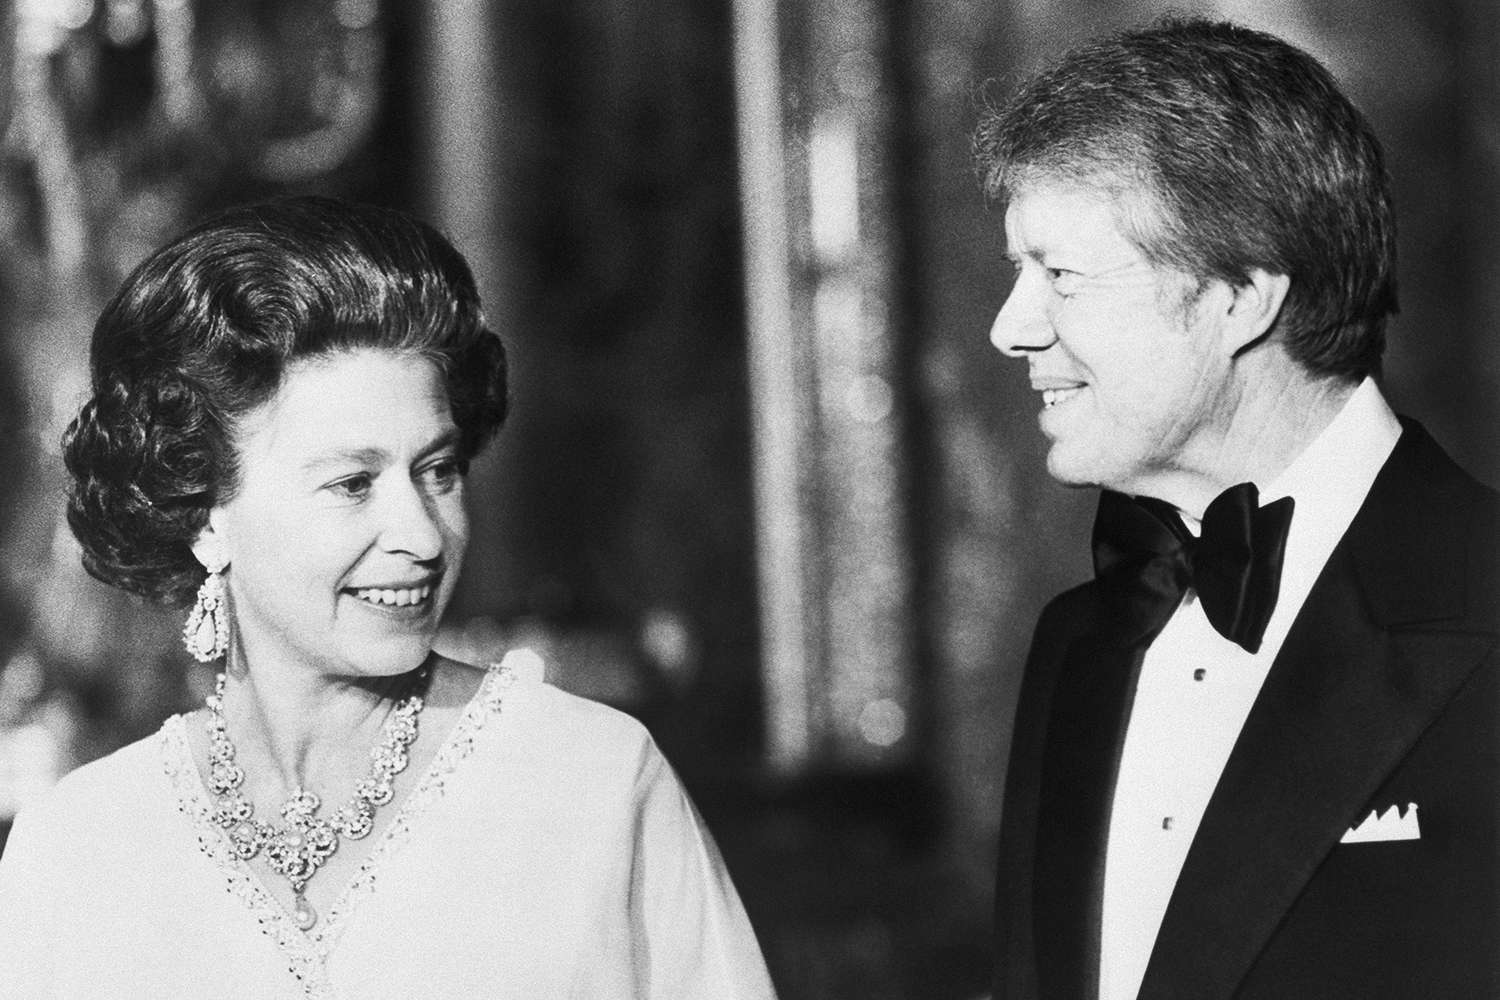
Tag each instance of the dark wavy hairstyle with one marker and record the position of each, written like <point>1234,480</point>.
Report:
<point>1243,153</point>
<point>202,332</point>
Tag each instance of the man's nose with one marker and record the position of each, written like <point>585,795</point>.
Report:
<point>1022,326</point>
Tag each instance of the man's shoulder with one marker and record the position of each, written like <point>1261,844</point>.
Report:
<point>1427,519</point>
<point>1072,605</point>
<point>1064,618</point>
<point>1419,463</point>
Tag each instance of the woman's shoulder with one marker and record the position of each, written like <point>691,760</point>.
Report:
<point>561,731</point>
<point>591,725</point>
<point>517,685</point>
<point>585,724</point>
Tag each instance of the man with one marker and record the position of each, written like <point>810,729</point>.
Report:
<point>1256,757</point>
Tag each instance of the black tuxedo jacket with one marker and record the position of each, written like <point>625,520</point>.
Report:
<point>1386,691</point>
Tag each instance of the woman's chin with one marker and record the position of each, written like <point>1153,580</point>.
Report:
<point>388,656</point>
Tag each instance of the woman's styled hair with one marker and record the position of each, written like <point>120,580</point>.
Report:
<point>1227,150</point>
<point>202,332</point>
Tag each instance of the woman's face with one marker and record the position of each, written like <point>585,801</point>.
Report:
<point>348,530</point>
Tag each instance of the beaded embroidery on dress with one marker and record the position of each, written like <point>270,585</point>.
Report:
<point>307,953</point>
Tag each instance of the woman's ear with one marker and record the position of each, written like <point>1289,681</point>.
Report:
<point>211,547</point>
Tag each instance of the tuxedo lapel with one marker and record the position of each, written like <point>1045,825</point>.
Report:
<point>1095,685</point>
<point>1371,659</point>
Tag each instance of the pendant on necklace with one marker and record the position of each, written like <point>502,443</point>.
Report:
<point>303,913</point>
<point>297,849</point>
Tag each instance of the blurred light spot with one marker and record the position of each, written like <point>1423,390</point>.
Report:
<point>237,67</point>
<point>872,327</point>
<point>37,29</point>
<point>882,722</point>
<point>838,308</point>
<point>125,22</point>
<point>69,14</point>
<point>356,14</point>
<point>869,399</point>
<point>833,185</point>
<point>21,685</point>
<point>667,640</point>
<point>34,756</point>
<point>526,662</point>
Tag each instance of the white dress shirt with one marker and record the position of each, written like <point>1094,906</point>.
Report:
<point>1196,688</point>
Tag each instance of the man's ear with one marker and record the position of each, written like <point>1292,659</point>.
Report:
<point>1254,309</point>
<point>211,547</point>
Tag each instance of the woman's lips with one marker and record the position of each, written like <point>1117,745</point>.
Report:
<point>394,596</point>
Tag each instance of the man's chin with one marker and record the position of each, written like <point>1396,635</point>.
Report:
<point>1069,470</point>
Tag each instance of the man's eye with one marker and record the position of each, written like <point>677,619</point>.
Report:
<point>1063,281</point>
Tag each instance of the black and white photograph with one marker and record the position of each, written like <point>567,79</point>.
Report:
<point>750,499</point>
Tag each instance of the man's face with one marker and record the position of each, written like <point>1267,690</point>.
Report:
<point>1134,381</point>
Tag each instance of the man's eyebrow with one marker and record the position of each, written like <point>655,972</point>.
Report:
<point>1017,256</point>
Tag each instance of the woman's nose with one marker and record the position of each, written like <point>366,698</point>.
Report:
<point>411,525</point>
<point>1022,326</point>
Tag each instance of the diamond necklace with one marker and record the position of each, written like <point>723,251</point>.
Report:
<point>298,849</point>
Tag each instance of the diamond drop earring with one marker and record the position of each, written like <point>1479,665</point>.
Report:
<point>206,634</point>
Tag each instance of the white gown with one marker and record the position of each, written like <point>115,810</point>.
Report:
<point>549,852</point>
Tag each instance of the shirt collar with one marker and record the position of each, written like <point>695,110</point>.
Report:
<point>1332,476</point>
<point>1342,461</point>
<point>1330,479</point>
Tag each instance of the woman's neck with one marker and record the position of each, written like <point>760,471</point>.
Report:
<point>298,728</point>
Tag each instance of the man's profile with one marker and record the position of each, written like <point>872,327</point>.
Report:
<point>1257,755</point>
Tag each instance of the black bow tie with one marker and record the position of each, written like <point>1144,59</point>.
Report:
<point>1146,559</point>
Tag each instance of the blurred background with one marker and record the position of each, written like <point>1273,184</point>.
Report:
<point>765,485</point>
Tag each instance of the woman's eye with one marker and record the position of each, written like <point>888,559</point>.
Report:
<point>443,475</point>
<point>352,486</point>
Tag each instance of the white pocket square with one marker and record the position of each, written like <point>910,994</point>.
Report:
<point>1389,825</point>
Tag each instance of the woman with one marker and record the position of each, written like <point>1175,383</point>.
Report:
<point>286,400</point>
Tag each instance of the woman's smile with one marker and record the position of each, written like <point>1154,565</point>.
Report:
<point>398,603</point>
<point>393,596</point>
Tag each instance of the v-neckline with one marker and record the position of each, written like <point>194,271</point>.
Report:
<point>309,950</point>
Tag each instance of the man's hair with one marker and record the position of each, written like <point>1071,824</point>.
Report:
<point>1243,154</point>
